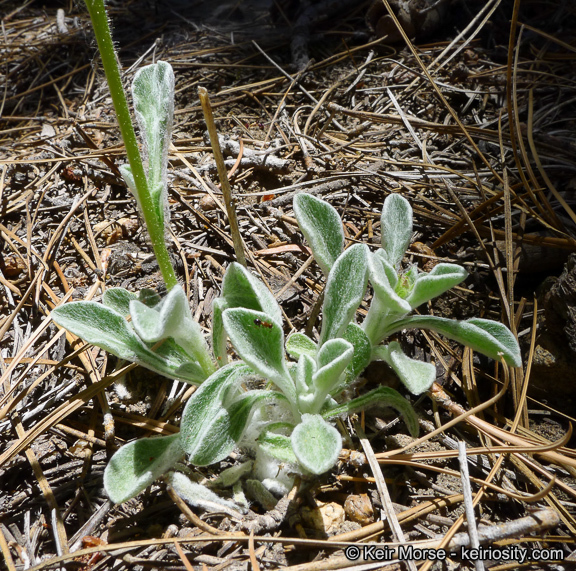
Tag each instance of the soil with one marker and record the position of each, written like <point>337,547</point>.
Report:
<point>481,144</point>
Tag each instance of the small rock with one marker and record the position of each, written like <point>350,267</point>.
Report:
<point>110,230</point>
<point>207,203</point>
<point>358,508</point>
<point>129,226</point>
<point>12,265</point>
<point>325,518</point>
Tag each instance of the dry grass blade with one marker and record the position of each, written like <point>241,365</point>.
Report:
<point>470,517</point>
<point>391,518</point>
<point>6,552</point>
<point>420,511</point>
<point>223,175</point>
<point>56,516</point>
<point>253,560</point>
<point>487,428</point>
<point>182,506</point>
<point>541,520</point>
<point>183,557</point>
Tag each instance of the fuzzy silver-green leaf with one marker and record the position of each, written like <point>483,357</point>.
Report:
<point>344,291</point>
<point>322,227</point>
<point>382,397</point>
<point>240,289</point>
<point>299,344</point>
<point>316,444</point>
<point>153,95</point>
<point>137,464</point>
<point>490,338</point>
<point>417,376</point>
<point>396,227</point>
<point>208,433</point>
<point>259,341</point>
<point>333,358</point>
<point>428,286</point>
<point>118,299</point>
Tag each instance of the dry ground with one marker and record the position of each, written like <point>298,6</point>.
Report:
<point>480,139</point>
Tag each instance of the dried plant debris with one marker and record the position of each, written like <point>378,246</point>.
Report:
<point>472,127</point>
<point>418,18</point>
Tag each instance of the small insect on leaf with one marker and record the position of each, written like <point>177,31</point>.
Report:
<point>261,323</point>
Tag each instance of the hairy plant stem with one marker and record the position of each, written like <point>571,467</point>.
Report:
<point>155,227</point>
<point>376,322</point>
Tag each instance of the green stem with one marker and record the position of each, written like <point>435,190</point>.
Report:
<point>198,349</point>
<point>376,321</point>
<point>155,227</point>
